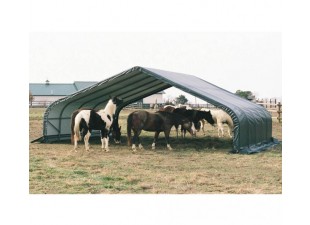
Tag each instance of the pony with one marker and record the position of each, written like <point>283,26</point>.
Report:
<point>86,120</point>
<point>195,116</point>
<point>220,117</point>
<point>155,122</point>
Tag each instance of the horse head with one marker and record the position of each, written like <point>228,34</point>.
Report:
<point>116,100</point>
<point>116,134</point>
<point>208,117</point>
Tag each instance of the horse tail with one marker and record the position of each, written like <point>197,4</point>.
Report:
<point>129,125</point>
<point>75,126</point>
<point>72,125</point>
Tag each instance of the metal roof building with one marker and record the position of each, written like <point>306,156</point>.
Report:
<point>252,123</point>
<point>47,89</point>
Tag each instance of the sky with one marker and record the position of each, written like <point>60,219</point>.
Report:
<point>249,61</point>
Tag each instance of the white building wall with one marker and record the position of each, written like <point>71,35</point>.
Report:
<point>152,99</point>
<point>45,100</point>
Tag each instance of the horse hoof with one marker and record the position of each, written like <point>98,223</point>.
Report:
<point>107,150</point>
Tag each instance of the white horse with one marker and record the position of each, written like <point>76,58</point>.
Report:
<point>87,120</point>
<point>220,118</point>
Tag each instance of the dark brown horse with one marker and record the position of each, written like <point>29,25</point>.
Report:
<point>155,122</point>
<point>195,116</point>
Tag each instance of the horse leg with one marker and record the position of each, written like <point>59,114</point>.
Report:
<point>107,144</point>
<point>229,131</point>
<point>76,139</point>
<point>182,132</point>
<point>102,140</point>
<point>167,132</point>
<point>86,140</point>
<point>177,130</point>
<point>193,129</point>
<point>220,128</point>
<point>134,140</point>
<point>155,139</point>
<point>203,127</point>
<point>105,140</point>
<point>140,145</point>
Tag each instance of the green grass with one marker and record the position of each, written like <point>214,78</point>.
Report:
<point>196,165</point>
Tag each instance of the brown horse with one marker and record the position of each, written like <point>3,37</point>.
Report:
<point>167,108</point>
<point>155,122</point>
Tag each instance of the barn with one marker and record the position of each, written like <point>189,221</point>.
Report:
<point>46,93</point>
<point>252,122</point>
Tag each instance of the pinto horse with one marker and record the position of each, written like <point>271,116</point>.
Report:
<point>86,120</point>
<point>220,117</point>
<point>114,133</point>
<point>195,116</point>
<point>156,122</point>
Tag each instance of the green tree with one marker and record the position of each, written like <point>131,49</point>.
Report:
<point>244,94</point>
<point>181,100</point>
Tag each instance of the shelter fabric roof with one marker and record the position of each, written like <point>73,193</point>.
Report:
<point>252,123</point>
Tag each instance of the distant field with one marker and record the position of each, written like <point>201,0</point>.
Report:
<point>196,165</point>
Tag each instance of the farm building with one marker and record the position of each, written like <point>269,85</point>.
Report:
<point>156,98</point>
<point>46,93</point>
<point>252,123</point>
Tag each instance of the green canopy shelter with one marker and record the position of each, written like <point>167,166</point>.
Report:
<point>252,122</point>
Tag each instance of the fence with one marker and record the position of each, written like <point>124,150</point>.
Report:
<point>39,104</point>
<point>274,108</point>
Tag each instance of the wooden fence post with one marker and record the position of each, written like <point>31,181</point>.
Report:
<point>279,112</point>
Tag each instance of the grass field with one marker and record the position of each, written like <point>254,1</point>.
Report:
<point>196,165</point>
